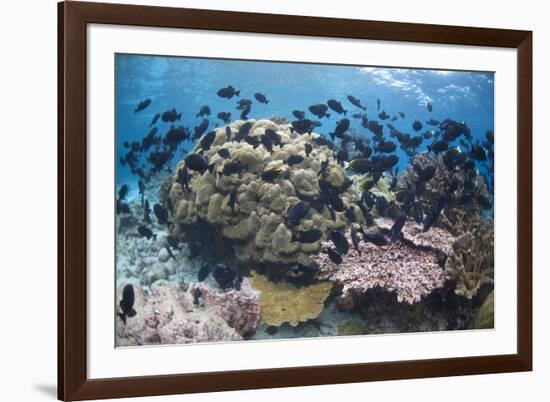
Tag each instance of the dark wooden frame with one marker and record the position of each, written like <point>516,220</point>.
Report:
<point>73,17</point>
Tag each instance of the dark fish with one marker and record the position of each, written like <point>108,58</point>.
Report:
<point>308,236</point>
<point>428,221</point>
<point>374,127</point>
<point>438,146</point>
<point>170,116</point>
<point>375,238</point>
<point>323,168</point>
<point>302,126</point>
<point>122,208</point>
<point>194,249</point>
<point>243,104</point>
<point>228,92</point>
<point>490,135</point>
<point>122,192</point>
<point>243,131</point>
<point>127,303</point>
<point>161,213</point>
<point>398,226</point>
<point>322,141</point>
<point>336,106</point>
<point>386,147</point>
<point>245,112</point>
<point>266,142</point>
<point>417,212</point>
<point>224,153</point>
<point>261,98</point>
<point>183,178</point>
<point>232,198</point>
<point>402,115</point>
<point>155,119</point>
<point>147,212</point>
<point>201,128</point>
<point>173,242</point>
<point>228,133</point>
<point>204,111</point>
<point>340,241</point>
<point>308,148</point>
<point>334,256</point>
<point>224,275</point>
<point>341,127</point>
<point>204,271</point>
<point>207,140</point>
<point>197,163</point>
<point>319,110</point>
<point>144,231</point>
<point>141,187</point>
<point>360,165</point>
<point>356,102</point>
<point>142,105</point>
<point>271,174</point>
<point>294,160</point>
<point>355,239</point>
<point>297,212</point>
<point>433,122</point>
<point>336,202</point>
<point>233,168</point>
<point>378,103</point>
<point>224,116</point>
<point>342,156</point>
<point>383,115</point>
<point>196,296</point>
<point>429,106</point>
<point>254,141</point>
<point>417,126</point>
<point>478,153</point>
<point>126,144</point>
<point>300,115</point>
<point>429,134</point>
<point>425,174</point>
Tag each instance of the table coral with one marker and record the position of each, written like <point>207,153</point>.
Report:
<point>282,302</point>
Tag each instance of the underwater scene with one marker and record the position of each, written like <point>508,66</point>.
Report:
<point>264,200</point>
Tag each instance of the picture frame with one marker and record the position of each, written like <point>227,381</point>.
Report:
<point>73,19</point>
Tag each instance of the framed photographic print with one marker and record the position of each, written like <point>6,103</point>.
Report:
<point>253,200</point>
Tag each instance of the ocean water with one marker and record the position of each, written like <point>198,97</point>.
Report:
<point>175,250</point>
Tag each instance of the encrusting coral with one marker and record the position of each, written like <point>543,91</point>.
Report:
<point>282,302</point>
<point>471,261</point>
<point>408,267</point>
<point>256,224</point>
<point>169,315</point>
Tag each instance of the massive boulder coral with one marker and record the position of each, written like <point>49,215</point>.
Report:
<point>409,267</point>
<point>256,225</point>
<point>283,302</point>
<point>471,262</point>
<point>169,315</point>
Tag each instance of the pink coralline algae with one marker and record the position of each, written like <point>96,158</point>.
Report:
<point>169,315</point>
<point>240,308</point>
<point>408,267</point>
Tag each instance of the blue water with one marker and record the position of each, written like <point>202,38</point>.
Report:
<point>187,84</point>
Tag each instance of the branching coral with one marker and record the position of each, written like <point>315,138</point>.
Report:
<point>256,223</point>
<point>281,302</point>
<point>471,262</point>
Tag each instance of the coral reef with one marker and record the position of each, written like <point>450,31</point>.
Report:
<point>169,315</point>
<point>256,224</point>
<point>471,262</point>
<point>240,308</point>
<point>409,267</point>
<point>282,302</point>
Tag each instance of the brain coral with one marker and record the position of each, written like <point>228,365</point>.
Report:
<point>256,225</point>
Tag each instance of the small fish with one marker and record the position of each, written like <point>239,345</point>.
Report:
<point>300,115</point>
<point>161,213</point>
<point>147,212</point>
<point>271,174</point>
<point>438,146</point>
<point>398,226</point>
<point>201,128</point>
<point>194,249</point>
<point>375,238</point>
<point>224,153</point>
<point>144,231</point>
<point>207,140</point>
<point>122,192</point>
<point>184,178</point>
<point>127,303</point>
<point>170,116</point>
<point>296,212</point>
<point>224,116</point>
<point>308,236</point>
<point>383,115</point>
<point>402,115</point>
<point>243,131</point>
<point>360,165</point>
<point>228,92</point>
<point>233,168</point>
<point>340,241</point>
<point>254,141</point>
<point>386,147</point>
<point>122,208</point>
<point>155,119</point>
<point>266,142</point>
<point>336,106</point>
<point>294,160</point>
<point>334,256</point>
<point>196,296</point>
<point>261,98</point>
<point>204,271</point>
<point>197,163</point>
<point>428,221</point>
<point>341,127</point>
<point>142,105</point>
<point>308,148</point>
<point>429,134</point>
<point>232,198</point>
<point>319,110</point>
<point>356,102</point>
<point>245,112</point>
<point>429,106</point>
<point>228,133</point>
<point>417,126</point>
<point>204,111</point>
<point>433,122</point>
<point>336,203</point>
<point>378,103</point>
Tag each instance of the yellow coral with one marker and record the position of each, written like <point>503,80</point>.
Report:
<point>282,303</point>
